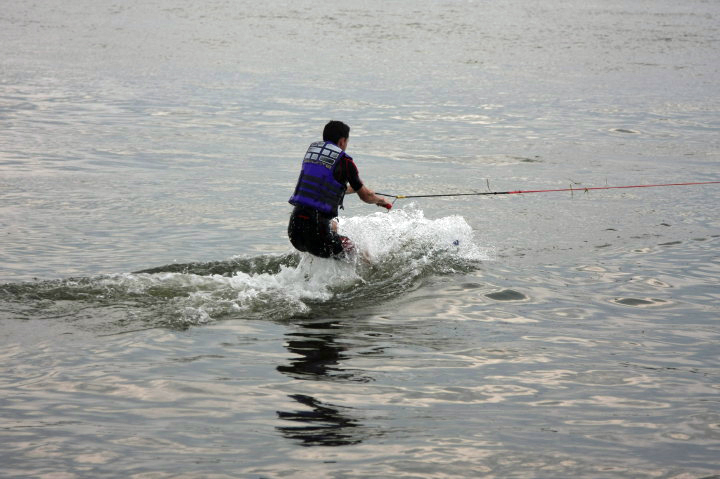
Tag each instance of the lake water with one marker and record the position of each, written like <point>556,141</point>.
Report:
<point>156,323</point>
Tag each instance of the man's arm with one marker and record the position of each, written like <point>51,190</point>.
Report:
<point>365,193</point>
<point>369,196</point>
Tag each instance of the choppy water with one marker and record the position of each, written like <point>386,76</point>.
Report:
<point>156,323</point>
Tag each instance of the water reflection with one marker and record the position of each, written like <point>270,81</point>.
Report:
<point>324,425</point>
<point>320,357</point>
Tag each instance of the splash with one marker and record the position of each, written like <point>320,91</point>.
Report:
<point>406,233</point>
<point>395,250</point>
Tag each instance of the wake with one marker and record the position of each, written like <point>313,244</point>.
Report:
<point>398,249</point>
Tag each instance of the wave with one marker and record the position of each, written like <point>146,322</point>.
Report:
<point>397,250</point>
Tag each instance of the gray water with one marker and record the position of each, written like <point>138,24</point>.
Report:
<point>156,323</point>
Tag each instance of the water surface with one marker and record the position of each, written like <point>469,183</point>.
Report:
<point>156,323</point>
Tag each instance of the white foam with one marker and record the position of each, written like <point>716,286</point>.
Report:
<point>399,242</point>
<point>382,235</point>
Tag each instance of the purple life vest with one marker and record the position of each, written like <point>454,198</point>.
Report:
<point>316,187</point>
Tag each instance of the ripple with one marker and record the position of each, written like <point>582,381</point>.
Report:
<point>507,295</point>
<point>625,131</point>
<point>640,302</point>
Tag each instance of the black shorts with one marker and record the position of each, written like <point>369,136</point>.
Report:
<point>311,232</point>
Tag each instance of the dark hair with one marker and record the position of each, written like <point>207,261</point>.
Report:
<point>335,130</point>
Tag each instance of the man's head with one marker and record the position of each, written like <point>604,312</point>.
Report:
<point>335,131</point>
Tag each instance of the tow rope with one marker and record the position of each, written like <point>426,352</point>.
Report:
<point>520,192</point>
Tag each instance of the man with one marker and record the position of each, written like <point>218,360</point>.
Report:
<point>327,174</point>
